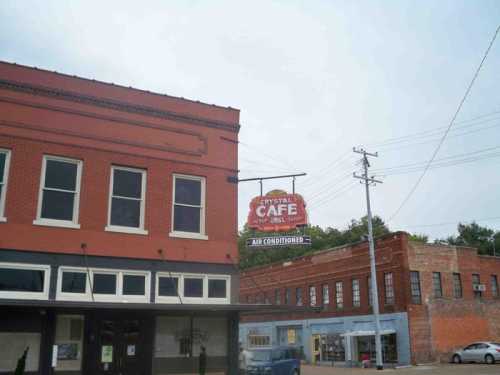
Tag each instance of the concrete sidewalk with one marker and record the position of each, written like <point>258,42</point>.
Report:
<point>439,369</point>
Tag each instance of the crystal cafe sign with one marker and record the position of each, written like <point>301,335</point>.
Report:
<point>277,211</point>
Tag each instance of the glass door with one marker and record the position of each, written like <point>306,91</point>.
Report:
<point>121,349</point>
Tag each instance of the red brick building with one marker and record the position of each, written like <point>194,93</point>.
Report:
<point>427,301</point>
<point>117,228</point>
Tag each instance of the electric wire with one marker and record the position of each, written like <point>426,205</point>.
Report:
<point>469,88</point>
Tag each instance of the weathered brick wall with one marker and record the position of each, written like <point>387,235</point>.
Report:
<point>454,324</point>
<point>439,326</point>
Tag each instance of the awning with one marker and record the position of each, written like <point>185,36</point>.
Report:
<point>368,333</point>
<point>155,307</point>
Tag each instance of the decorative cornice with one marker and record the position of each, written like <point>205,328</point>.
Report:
<point>112,104</point>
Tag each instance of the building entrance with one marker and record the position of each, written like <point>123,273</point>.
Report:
<point>120,346</point>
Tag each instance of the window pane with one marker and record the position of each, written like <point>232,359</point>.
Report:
<point>457,285</point>
<point>217,288</point>
<point>193,287</point>
<point>168,286</point>
<point>17,280</point>
<point>134,285</point>
<point>187,219</point>
<point>104,283</point>
<point>125,212</point>
<point>60,175</point>
<point>3,157</point>
<point>57,205</point>
<point>127,183</point>
<point>73,282</point>
<point>436,280</point>
<point>187,191</point>
<point>415,287</point>
<point>356,294</point>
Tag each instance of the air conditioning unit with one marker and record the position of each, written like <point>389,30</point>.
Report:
<point>479,288</point>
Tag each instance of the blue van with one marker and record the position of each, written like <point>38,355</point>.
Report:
<point>273,361</point>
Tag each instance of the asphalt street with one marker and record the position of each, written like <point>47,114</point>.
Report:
<point>464,369</point>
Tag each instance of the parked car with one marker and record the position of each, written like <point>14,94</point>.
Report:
<point>487,352</point>
<point>273,361</point>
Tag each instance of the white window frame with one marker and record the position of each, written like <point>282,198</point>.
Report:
<point>5,179</point>
<point>169,299</point>
<point>44,295</point>
<point>204,299</point>
<point>117,297</point>
<point>76,206</point>
<point>60,295</point>
<point>195,300</point>
<point>325,287</point>
<point>202,234</point>
<point>119,228</point>
<point>225,299</point>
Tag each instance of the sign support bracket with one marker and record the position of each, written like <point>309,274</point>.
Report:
<point>261,179</point>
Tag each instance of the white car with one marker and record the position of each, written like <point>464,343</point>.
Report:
<point>487,352</point>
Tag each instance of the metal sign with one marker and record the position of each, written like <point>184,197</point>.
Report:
<point>277,211</point>
<point>275,241</point>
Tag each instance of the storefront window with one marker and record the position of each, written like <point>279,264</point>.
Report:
<point>366,346</point>
<point>173,337</point>
<point>332,348</point>
<point>69,341</point>
<point>17,343</point>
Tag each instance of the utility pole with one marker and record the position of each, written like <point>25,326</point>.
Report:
<point>367,181</point>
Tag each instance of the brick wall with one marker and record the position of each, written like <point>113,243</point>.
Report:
<point>439,326</point>
<point>328,267</point>
<point>43,113</point>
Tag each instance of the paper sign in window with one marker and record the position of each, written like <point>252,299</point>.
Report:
<point>107,354</point>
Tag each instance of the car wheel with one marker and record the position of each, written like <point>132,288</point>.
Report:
<point>456,359</point>
<point>488,358</point>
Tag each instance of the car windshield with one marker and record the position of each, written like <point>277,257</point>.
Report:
<point>261,355</point>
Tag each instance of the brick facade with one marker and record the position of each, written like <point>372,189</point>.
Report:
<point>45,113</point>
<point>437,326</point>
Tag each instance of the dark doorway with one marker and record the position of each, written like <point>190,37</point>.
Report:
<point>121,346</point>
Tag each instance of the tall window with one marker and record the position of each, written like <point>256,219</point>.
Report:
<point>494,286</point>
<point>277,297</point>
<point>339,295</point>
<point>416,295</point>
<point>476,282</point>
<point>4,174</point>
<point>370,295</point>
<point>59,195</point>
<point>436,285</point>
<point>356,293</point>
<point>127,200</point>
<point>188,214</point>
<point>287,296</point>
<point>326,294</point>
<point>298,296</point>
<point>389,288</point>
<point>457,286</point>
<point>312,295</point>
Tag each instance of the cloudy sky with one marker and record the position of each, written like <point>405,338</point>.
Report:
<point>312,80</point>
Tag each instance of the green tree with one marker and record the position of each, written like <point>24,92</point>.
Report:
<point>320,239</point>
<point>475,235</point>
<point>419,238</point>
<point>358,229</point>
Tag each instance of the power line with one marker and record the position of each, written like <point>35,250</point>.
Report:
<point>469,88</point>
<point>449,222</point>
<point>432,132</point>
